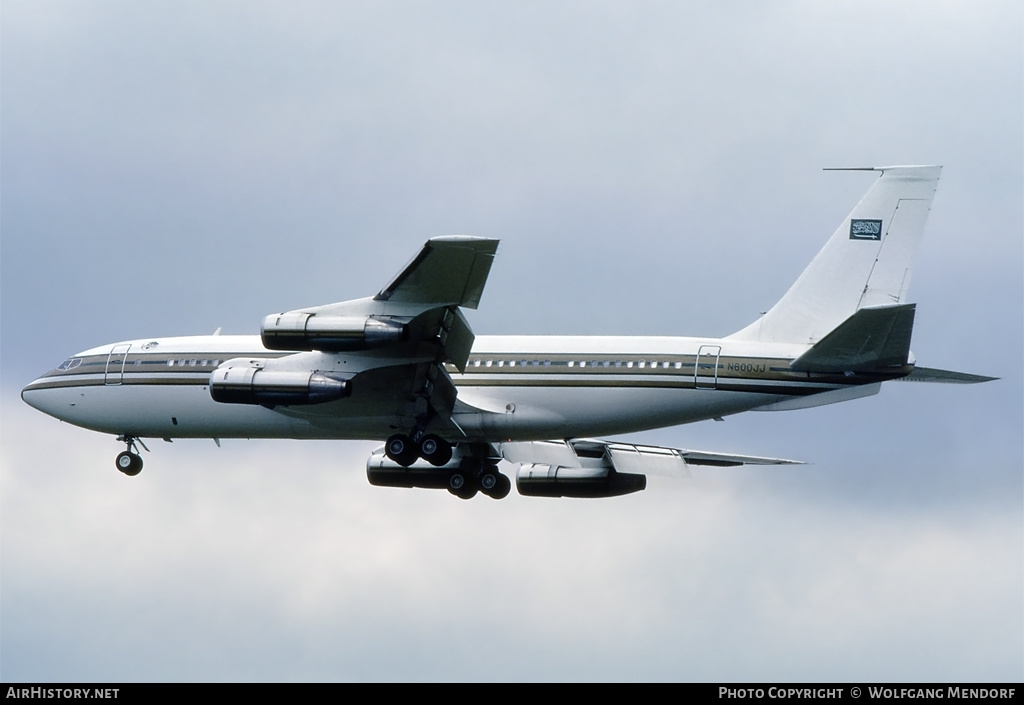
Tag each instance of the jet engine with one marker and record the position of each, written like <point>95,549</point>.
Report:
<point>381,471</point>
<point>535,480</point>
<point>248,382</point>
<point>308,331</point>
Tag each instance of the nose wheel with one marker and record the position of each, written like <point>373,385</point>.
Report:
<point>129,461</point>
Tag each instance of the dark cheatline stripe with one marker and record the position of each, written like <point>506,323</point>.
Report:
<point>794,389</point>
<point>128,381</point>
<point>734,374</point>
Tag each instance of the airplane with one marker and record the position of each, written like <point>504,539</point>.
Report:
<point>405,368</point>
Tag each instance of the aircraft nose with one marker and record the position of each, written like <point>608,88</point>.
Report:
<point>45,400</point>
<point>33,397</point>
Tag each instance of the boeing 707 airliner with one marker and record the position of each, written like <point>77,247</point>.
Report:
<point>403,367</point>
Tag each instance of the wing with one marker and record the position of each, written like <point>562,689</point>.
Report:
<point>448,271</point>
<point>594,468</point>
<point>395,344</point>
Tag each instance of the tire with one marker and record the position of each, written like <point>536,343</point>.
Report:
<point>401,450</point>
<point>466,492</point>
<point>501,487</point>
<point>129,463</point>
<point>435,450</point>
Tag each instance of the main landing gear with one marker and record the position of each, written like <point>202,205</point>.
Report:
<point>477,471</point>
<point>405,451</point>
<point>465,482</point>
<point>129,461</point>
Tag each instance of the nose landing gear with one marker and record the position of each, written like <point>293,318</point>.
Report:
<point>129,461</point>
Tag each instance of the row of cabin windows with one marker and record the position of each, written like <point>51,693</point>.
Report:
<point>74,362</point>
<point>191,363</point>
<point>654,364</point>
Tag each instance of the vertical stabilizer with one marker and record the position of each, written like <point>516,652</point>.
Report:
<point>866,263</point>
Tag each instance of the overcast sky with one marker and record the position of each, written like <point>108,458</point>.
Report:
<point>651,168</point>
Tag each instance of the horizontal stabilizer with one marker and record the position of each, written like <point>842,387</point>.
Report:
<point>927,374</point>
<point>870,340</point>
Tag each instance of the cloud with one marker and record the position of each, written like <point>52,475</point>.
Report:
<point>650,170</point>
<point>275,560</point>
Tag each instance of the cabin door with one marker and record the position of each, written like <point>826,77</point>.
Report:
<point>115,364</point>
<point>705,369</point>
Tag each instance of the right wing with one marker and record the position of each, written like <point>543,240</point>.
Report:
<point>594,468</point>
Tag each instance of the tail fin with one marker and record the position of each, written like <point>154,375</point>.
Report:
<point>865,264</point>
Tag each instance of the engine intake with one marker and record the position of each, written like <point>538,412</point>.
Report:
<point>308,331</point>
<point>249,383</point>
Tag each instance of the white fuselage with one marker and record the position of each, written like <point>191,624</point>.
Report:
<point>513,388</point>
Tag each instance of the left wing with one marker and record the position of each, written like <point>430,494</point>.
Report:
<point>448,271</point>
<point>399,341</point>
<point>594,468</point>
<point>420,305</point>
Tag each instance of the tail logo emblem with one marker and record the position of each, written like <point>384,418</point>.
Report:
<point>865,230</point>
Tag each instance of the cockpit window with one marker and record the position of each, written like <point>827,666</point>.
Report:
<point>70,364</point>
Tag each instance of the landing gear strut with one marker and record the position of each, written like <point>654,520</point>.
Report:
<point>129,461</point>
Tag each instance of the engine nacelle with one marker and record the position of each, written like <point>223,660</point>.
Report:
<point>535,480</point>
<point>308,331</point>
<point>248,382</point>
<point>381,471</point>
